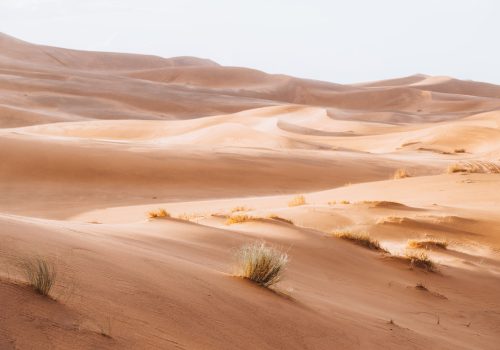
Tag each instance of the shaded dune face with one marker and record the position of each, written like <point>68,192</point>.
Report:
<point>92,143</point>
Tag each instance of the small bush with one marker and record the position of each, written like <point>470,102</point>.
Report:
<point>238,219</point>
<point>420,260</point>
<point>159,213</point>
<point>401,174</point>
<point>427,244</point>
<point>41,275</point>
<point>260,263</point>
<point>361,239</point>
<point>475,166</point>
<point>296,201</point>
<point>240,208</point>
<point>345,202</point>
<point>459,150</point>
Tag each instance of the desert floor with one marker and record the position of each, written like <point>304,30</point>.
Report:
<point>91,142</point>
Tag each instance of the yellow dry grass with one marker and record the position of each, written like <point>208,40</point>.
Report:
<point>159,213</point>
<point>401,174</point>
<point>362,239</point>
<point>260,263</point>
<point>475,166</point>
<point>297,200</point>
<point>429,243</point>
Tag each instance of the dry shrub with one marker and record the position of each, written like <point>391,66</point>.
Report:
<point>362,239</point>
<point>420,260</point>
<point>159,213</point>
<point>393,220</point>
<point>475,166</point>
<point>279,218</point>
<point>41,274</point>
<point>429,243</point>
<point>459,150</point>
<point>401,174</point>
<point>297,200</point>
<point>260,263</point>
<point>239,208</point>
<point>345,202</point>
<point>238,219</point>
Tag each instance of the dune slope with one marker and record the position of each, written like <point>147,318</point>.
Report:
<point>91,142</point>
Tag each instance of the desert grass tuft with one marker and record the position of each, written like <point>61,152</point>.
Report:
<point>41,274</point>
<point>239,208</point>
<point>261,263</point>
<point>430,243</point>
<point>279,218</point>
<point>420,260</point>
<point>401,174</point>
<point>345,202</point>
<point>361,239</point>
<point>238,219</point>
<point>476,166</point>
<point>296,201</point>
<point>159,213</point>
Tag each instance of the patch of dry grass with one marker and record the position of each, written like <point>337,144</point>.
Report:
<point>41,274</point>
<point>240,208</point>
<point>238,219</point>
<point>159,213</point>
<point>345,202</point>
<point>429,243</point>
<point>297,200</point>
<point>401,174</point>
<point>420,260</point>
<point>279,218</point>
<point>260,263</point>
<point>475,166</point>
<point>362,239</point>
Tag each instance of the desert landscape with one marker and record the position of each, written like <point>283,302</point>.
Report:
<point>134,181</point>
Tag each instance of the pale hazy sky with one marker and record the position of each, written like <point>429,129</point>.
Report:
<point>340,41</point>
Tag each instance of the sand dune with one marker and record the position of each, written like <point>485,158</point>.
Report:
<point>91,142</point>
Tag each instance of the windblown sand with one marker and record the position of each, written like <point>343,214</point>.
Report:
<point>91,142</point>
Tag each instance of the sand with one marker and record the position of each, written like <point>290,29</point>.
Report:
<point>91,142</point>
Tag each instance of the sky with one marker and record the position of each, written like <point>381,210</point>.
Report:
<point>340,41</point>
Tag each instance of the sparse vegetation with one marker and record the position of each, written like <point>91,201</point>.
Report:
<point>297,200</point>
<point>475,166</point>
<point>345,202</point>
<point>41,274</point>
<point>459,150</point>
<point>260,263</point>
<point>401,174</point>
<point>332,202</point>
<point>279,218</point>
<point>420,260</point>
<point>240,208</point>
<point>428,244</point>
<point>238,219</point>
<point>362,239</point>
<point>159,213</point>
